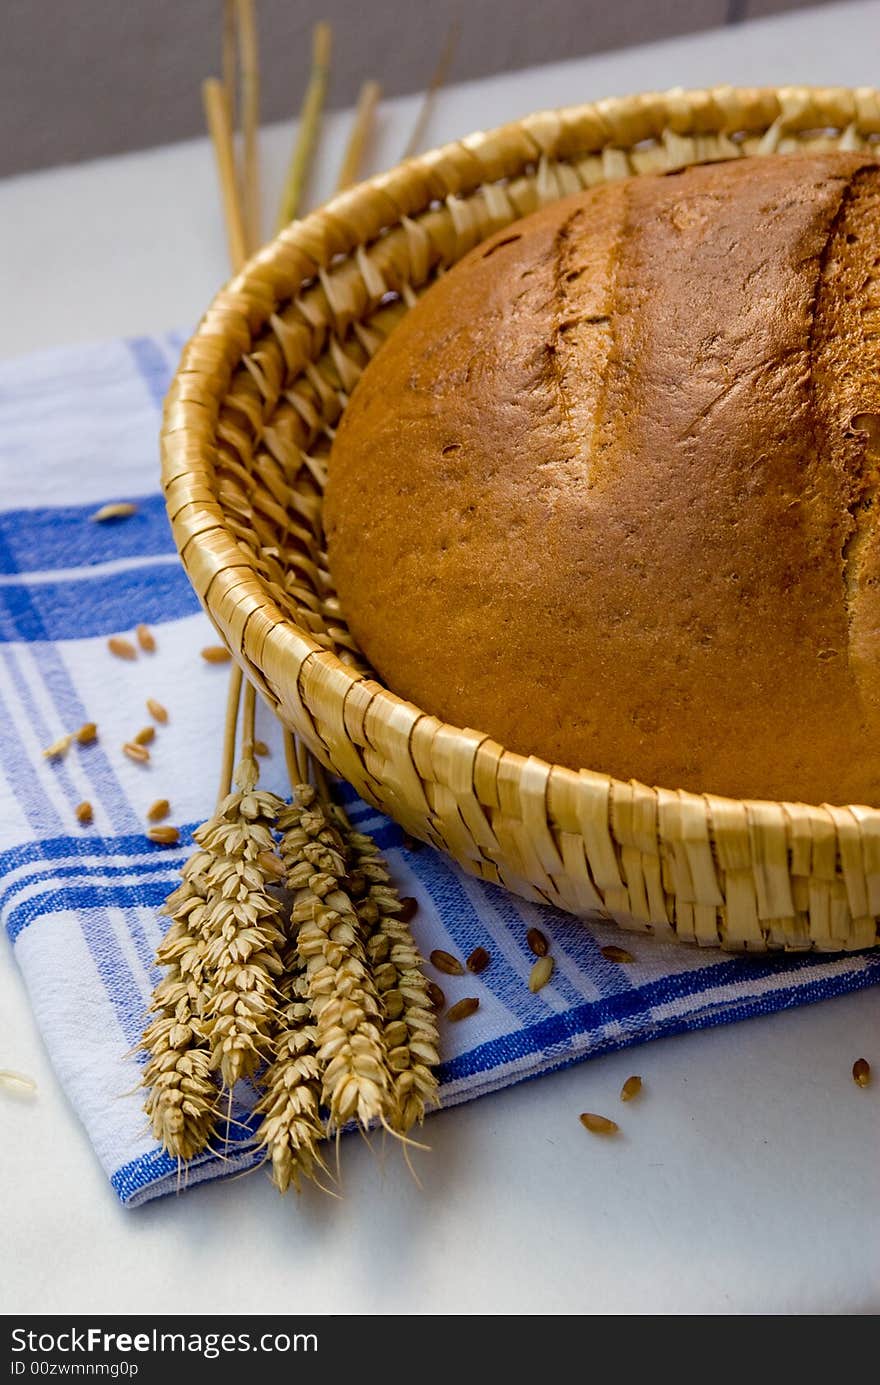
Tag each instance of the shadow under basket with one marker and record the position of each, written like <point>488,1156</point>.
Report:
<point>247,429</point>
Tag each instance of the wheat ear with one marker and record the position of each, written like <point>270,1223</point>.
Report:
<point>410,1034</point>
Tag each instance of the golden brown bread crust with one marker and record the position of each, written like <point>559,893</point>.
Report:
<point>606,493</point>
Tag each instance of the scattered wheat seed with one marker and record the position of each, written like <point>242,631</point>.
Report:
<point>261,748</point>
<point>120,510</point>
<point>17,1080</point>
<point>158,810</point>
<point>861,1072</point>
<point>216,654</point>
<point>145,736</point>
<point>445,962</point>
<point>631,1087</point>
<point>617,954</point>
<point>463,1009</point>
<point>164,836</point>
<point>145,638</point>
<point>540,973</point>
<point>84,812</point>
<point>87,733</point>
<point>58,748</point>
<point>156,710</point>
<point>123,649</point>
<point>538,944</point>
<point>599,1125</point>
<point>408,908</point>
<point>436,996</point>
<point>136,752</point>
<point>478,960</point>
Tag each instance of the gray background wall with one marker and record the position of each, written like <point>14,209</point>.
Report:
<point>84,78</point>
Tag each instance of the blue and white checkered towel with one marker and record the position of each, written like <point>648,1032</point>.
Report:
<point>80,904</point>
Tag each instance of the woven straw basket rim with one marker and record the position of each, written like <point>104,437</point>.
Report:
<point>248,424</point>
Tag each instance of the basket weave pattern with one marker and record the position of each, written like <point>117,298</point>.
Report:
<point>248,425</point>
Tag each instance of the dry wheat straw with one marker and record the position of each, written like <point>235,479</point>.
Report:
<point>248,50</point>
<point>364,116</point>
<point>307,125</point>
<point>216,108</point>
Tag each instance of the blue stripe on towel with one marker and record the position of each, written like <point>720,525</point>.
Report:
<point>93,606</point>
<point>65,536</point>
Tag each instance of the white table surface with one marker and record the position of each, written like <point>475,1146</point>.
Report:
<point>750,1180</point>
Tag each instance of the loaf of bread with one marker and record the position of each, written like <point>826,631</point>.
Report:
<point>607,493</point>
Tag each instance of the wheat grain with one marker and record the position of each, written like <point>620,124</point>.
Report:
<point>631,1087</point>
<point>122,648</point>
<point>84,812</point>
<point>537,943</point>
<point>599,1125</point>
<point>145,638</point>
<point>478,960</point>
<point>121,509</point>
<point>158,810</point>
<point>156,710</point>
<point>145,736</point>
<point>617,954</point>
<point>445,962</point>
<point>17,1081</point>
<point>540,973</point>
<point>164,836</point>
<point>87,733</point>
<point>59,747</point>
<point>436,996</point>
<point>216,654</point>
<point>861,1072</point>
<point>138,753</point>
<point>463,1009</point>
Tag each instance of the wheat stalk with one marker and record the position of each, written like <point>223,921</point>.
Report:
<point>307,125</point>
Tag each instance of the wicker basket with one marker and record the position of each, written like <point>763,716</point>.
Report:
<point>248,425</point>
